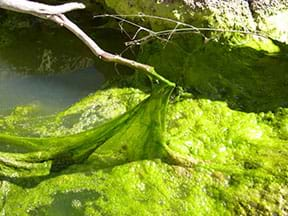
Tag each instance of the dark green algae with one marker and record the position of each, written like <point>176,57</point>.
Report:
<point>233,123</point>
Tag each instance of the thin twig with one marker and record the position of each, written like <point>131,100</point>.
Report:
<point>122,20</point>
<point>169,32</point>
<point>29,7</point>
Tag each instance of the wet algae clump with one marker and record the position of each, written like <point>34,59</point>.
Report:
<point>222,152</point>
<point>135,135</point>
<point>217,145</point>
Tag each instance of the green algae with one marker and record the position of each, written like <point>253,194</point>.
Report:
<point>144,123</point>
<point>234,126</point>
<point>242,150</point>
<point>242,169</point>
<point>241,166</point>
<point>242,76</point>
<point>131,188</point>
<point>91,111</point>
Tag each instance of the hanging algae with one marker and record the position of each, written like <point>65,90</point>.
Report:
<point>135,135</point>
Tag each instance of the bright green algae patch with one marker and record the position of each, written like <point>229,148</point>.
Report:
<point>135,135</point>
<point>242,163</point>
<point>242,150</point>
<point>242,169</point>
<point>138,188</point>
<point>91,111</point>
<point>101,156</point>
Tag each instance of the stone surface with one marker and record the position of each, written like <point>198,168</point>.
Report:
<point>267,16</point>
<point>271,17</point>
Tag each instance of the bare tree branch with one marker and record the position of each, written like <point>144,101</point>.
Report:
<point>39,9</point>
<point>56,14</point>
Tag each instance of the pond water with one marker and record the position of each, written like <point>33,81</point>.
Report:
<point>52,69</point>
<point>51,92</point>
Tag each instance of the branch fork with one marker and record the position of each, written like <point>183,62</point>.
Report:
<point>56,14</point>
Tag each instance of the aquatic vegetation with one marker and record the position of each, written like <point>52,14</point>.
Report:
<point>137,133</point>
<point>241,165</point>
<point>216,146</point>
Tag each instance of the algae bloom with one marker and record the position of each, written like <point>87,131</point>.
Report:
<point>214,144</point>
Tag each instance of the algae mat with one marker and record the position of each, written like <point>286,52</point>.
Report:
<point>114,153</point>
<point>241,169</point>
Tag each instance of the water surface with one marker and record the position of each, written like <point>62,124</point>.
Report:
<point>52,92</point>
<point>52,68</point>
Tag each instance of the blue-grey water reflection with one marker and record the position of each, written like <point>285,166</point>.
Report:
<point>51,92</point>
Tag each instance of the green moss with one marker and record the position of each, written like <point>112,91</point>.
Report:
<point>151,8</point>
<point>217,14</point>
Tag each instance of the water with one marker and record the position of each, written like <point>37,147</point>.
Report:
<point>52,92</point>
<point>52,68</point>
